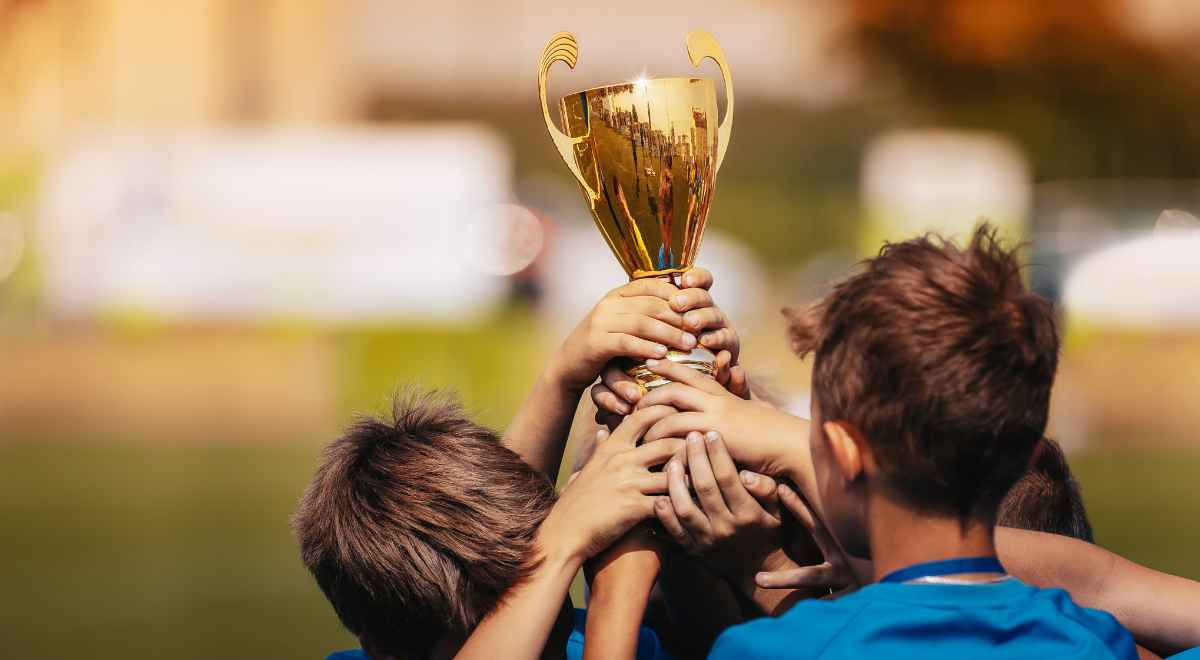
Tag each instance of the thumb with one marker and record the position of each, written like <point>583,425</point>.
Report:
<point>762,488</point>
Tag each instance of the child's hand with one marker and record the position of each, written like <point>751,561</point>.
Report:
<point>736,526</point>
<point>614,491</point>
<point>834,574</point>
<point>617,392</point>
<point>638,320</point>
<point>758,436</point>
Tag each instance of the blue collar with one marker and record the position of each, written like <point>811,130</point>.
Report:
<point>946,567</point>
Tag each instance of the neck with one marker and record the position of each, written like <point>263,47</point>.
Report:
<point>901,537</point>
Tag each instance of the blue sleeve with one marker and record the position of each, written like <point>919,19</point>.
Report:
<point>1190,654</point>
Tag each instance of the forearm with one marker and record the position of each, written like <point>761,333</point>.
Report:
<point>1159,609</point>
<point>521,623</point>
<point>538,432</point>
<point>615,612</point>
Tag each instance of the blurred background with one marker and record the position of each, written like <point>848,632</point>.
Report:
<point>227,226</point>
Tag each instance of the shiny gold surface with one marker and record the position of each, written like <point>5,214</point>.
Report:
<point>646,155</point>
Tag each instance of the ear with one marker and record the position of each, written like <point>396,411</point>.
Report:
<point>848,449</point>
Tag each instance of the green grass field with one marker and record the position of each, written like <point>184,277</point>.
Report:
<point>147,551</point>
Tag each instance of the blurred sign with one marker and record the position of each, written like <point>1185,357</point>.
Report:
<point>324,225</point>
<point>943,180</point>
<point>1148,282</point>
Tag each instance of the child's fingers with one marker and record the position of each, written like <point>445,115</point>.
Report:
<point>670,522</point>
<point>652,483</point>
<point>722,339</point>
<point>763,489</point>
<point>797,507</point>
<point>697,277</point>
<point>635,425</point>
<point>709,318</point>
<point>821,575</point>
<point>657,452</point>
<point>651,306</point>
<point>645,327</point>
<point>622,384</point>
<point>689,299</point>
<point>704,482</point>
<point>608,420</point>
<point>607,402</point>
<point>617,343</point>
<point>681,373</point>
<point>721,368</point>
<point>678,425</point>
<point>648,286</point>
<point>690,516</point>
<point>677,395</point>
<point>801,510</point>
<point>733,492</point>
<point>739,384</point>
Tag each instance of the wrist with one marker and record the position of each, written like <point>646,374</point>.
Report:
<point>556,547</point>
<point>558,376</point>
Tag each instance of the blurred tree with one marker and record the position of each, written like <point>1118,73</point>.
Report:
<point>1087,93</point>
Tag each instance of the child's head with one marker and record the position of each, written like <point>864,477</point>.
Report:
<point>1047,498</point>
<point>415,528</point>
<point>931,381</point>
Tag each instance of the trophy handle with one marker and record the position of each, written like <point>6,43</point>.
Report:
<point>701,44</point>
<point>563,48</point>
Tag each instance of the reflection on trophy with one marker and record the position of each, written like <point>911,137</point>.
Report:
<point>646,155</point>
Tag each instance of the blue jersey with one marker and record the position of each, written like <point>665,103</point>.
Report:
<point>648,646</point>
<point>901,619</point>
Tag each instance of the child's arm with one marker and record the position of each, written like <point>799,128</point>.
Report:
<point>621,579</point>
<point>639,320</point>
<point>613,492</point>
<point>1159,609</point>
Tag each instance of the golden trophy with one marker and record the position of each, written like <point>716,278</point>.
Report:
<point>646,155</point>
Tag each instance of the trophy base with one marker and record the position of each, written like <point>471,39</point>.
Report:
<point>700,359</point>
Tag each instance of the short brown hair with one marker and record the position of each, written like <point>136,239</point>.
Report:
<point>415,528</point>
<point>943,359</point>
<point>1047,497</point>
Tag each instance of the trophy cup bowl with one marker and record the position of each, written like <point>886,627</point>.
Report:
<point>646,155</point>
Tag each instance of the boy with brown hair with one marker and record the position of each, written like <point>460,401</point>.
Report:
<point>416,529</point>
<point>931,381</point>
<point>432,537</point>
